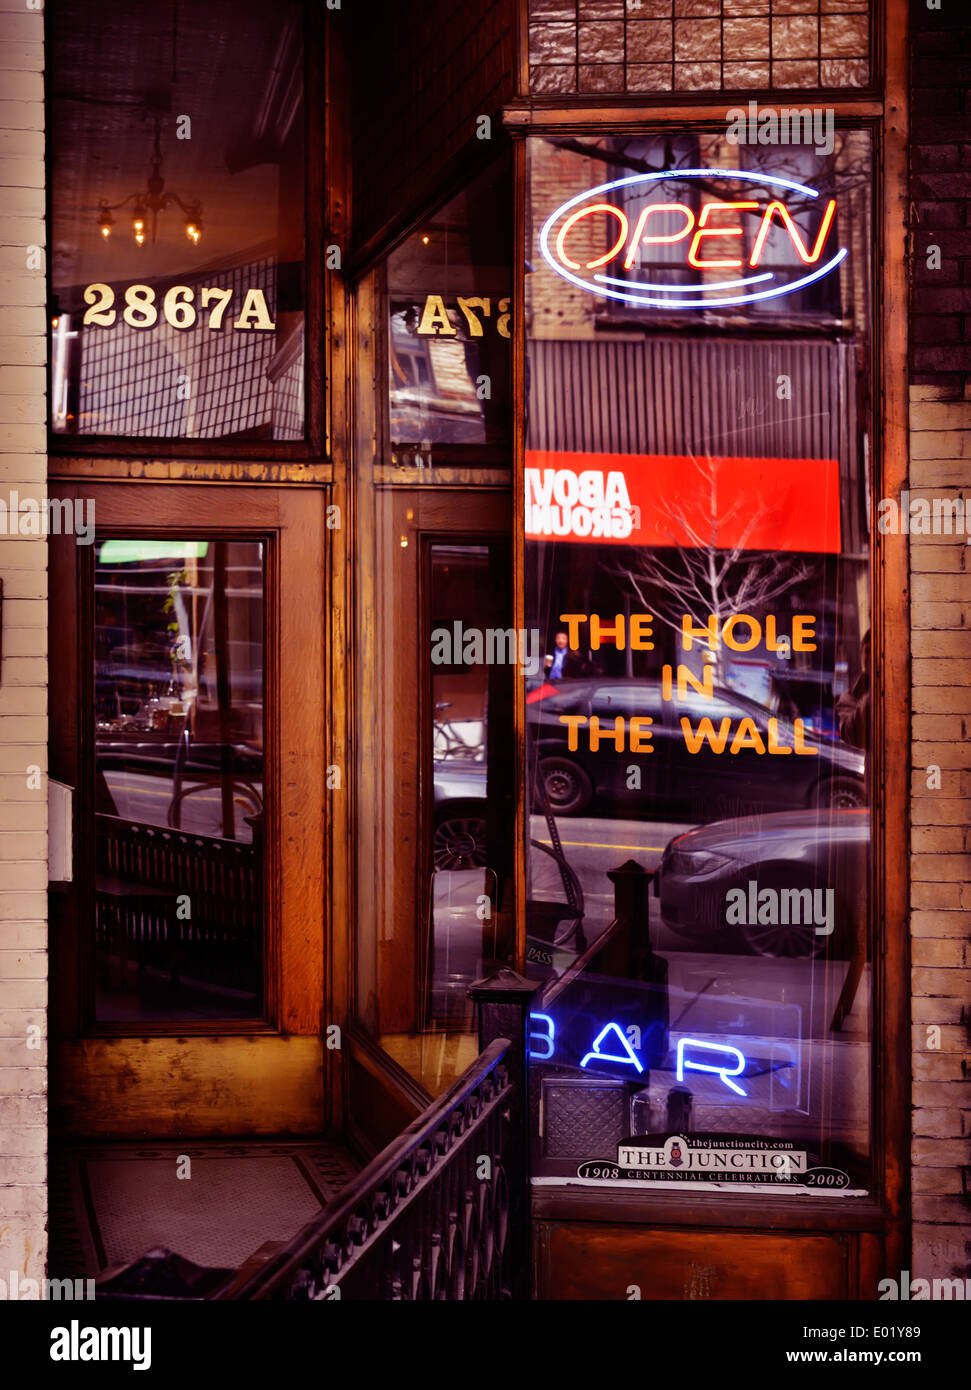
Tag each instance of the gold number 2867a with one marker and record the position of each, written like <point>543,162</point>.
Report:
<point>178,307</point>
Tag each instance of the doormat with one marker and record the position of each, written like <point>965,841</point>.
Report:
<point>213,1203</point>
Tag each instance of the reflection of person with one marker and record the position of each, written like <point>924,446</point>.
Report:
<point>853,708</point>
<point>782,702</point>
<point>563,663</point>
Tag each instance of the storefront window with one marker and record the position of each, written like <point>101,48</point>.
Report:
<point>698,344</point>
<point>177,190</point>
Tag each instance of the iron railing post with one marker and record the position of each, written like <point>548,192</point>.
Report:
<point>503,1002</point>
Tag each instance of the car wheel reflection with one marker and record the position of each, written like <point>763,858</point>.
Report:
<point>841,794</point>
<point>459,842</point>
<point>784,942</point>
<point>568,788</point>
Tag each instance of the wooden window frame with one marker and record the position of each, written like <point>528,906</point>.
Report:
<point>885,1211</point>
<point>293,963</point>
<point>113,455</point>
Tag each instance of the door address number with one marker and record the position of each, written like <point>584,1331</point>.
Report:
<point>178,307</point>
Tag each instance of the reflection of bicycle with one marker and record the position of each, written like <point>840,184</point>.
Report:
<point>190,781</point>
<point>546,882</point>
<point>447,741</point>
<point>246,799</point>
<point>554,906</point>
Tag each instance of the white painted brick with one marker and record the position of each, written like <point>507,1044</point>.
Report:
<point>22,1081</point>
<point>21,231</point>
<point>23,699</point>
<point>16,757</point>
<point>25,642</point>
<point>23,438</point>
<point>17,905</point>
<point>23,202</point>
<point>25,613</point>
<point>22,410</point>
<point>20,57</point>
<point>23,1141</point>
<point>16,380</point>
<point>21,142</point>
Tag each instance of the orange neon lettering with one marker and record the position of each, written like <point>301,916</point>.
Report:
<point>585,212</point>
<point>705,230</point>
<point>661,240</point>
<point>802,250</point>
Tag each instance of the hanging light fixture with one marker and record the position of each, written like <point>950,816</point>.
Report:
<point>154,198</point>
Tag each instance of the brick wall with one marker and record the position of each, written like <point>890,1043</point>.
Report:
<point>940,466</point>
<point>23,676</point>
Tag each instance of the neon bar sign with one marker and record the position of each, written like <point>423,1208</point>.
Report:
<point>628,1050</point>
<point>566,249</point>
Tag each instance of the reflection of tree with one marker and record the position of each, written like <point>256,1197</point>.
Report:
<point>701,578</point>
<point>847,167</point>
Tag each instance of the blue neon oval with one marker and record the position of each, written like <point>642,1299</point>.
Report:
<point>675,293</point>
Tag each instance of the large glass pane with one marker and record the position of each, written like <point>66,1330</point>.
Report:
<point>179,771</point>
<point>177,197</point>
<point>697,568</point>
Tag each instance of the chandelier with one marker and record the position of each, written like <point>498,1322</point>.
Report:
<point>155,198</point>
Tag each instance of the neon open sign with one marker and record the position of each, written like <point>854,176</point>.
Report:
<point>706,237</point>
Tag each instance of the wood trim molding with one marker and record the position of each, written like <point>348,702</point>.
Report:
<point>891,655</point>
<point>673,109</point>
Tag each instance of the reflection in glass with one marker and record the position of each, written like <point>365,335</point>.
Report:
<point>179,772</point>
<point>697,565</point>
<point>178,220</point>
<point>448,345</point>
<point>469,844</point>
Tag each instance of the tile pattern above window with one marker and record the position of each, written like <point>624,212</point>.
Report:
<point>642,46</point>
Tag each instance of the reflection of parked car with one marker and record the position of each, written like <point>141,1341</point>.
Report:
<point>794,850</point>
<point>459,836</point>
<point>698,786</point>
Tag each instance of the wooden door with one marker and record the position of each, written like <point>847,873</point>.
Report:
<point>188,719</point>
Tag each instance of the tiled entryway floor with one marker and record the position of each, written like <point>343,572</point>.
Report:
<point>110,1203</point>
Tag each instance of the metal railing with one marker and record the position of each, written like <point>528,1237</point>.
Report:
<point>438,1214</point>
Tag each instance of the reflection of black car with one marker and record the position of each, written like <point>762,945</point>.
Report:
<point>699,786</point>
<point>794,851</point>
